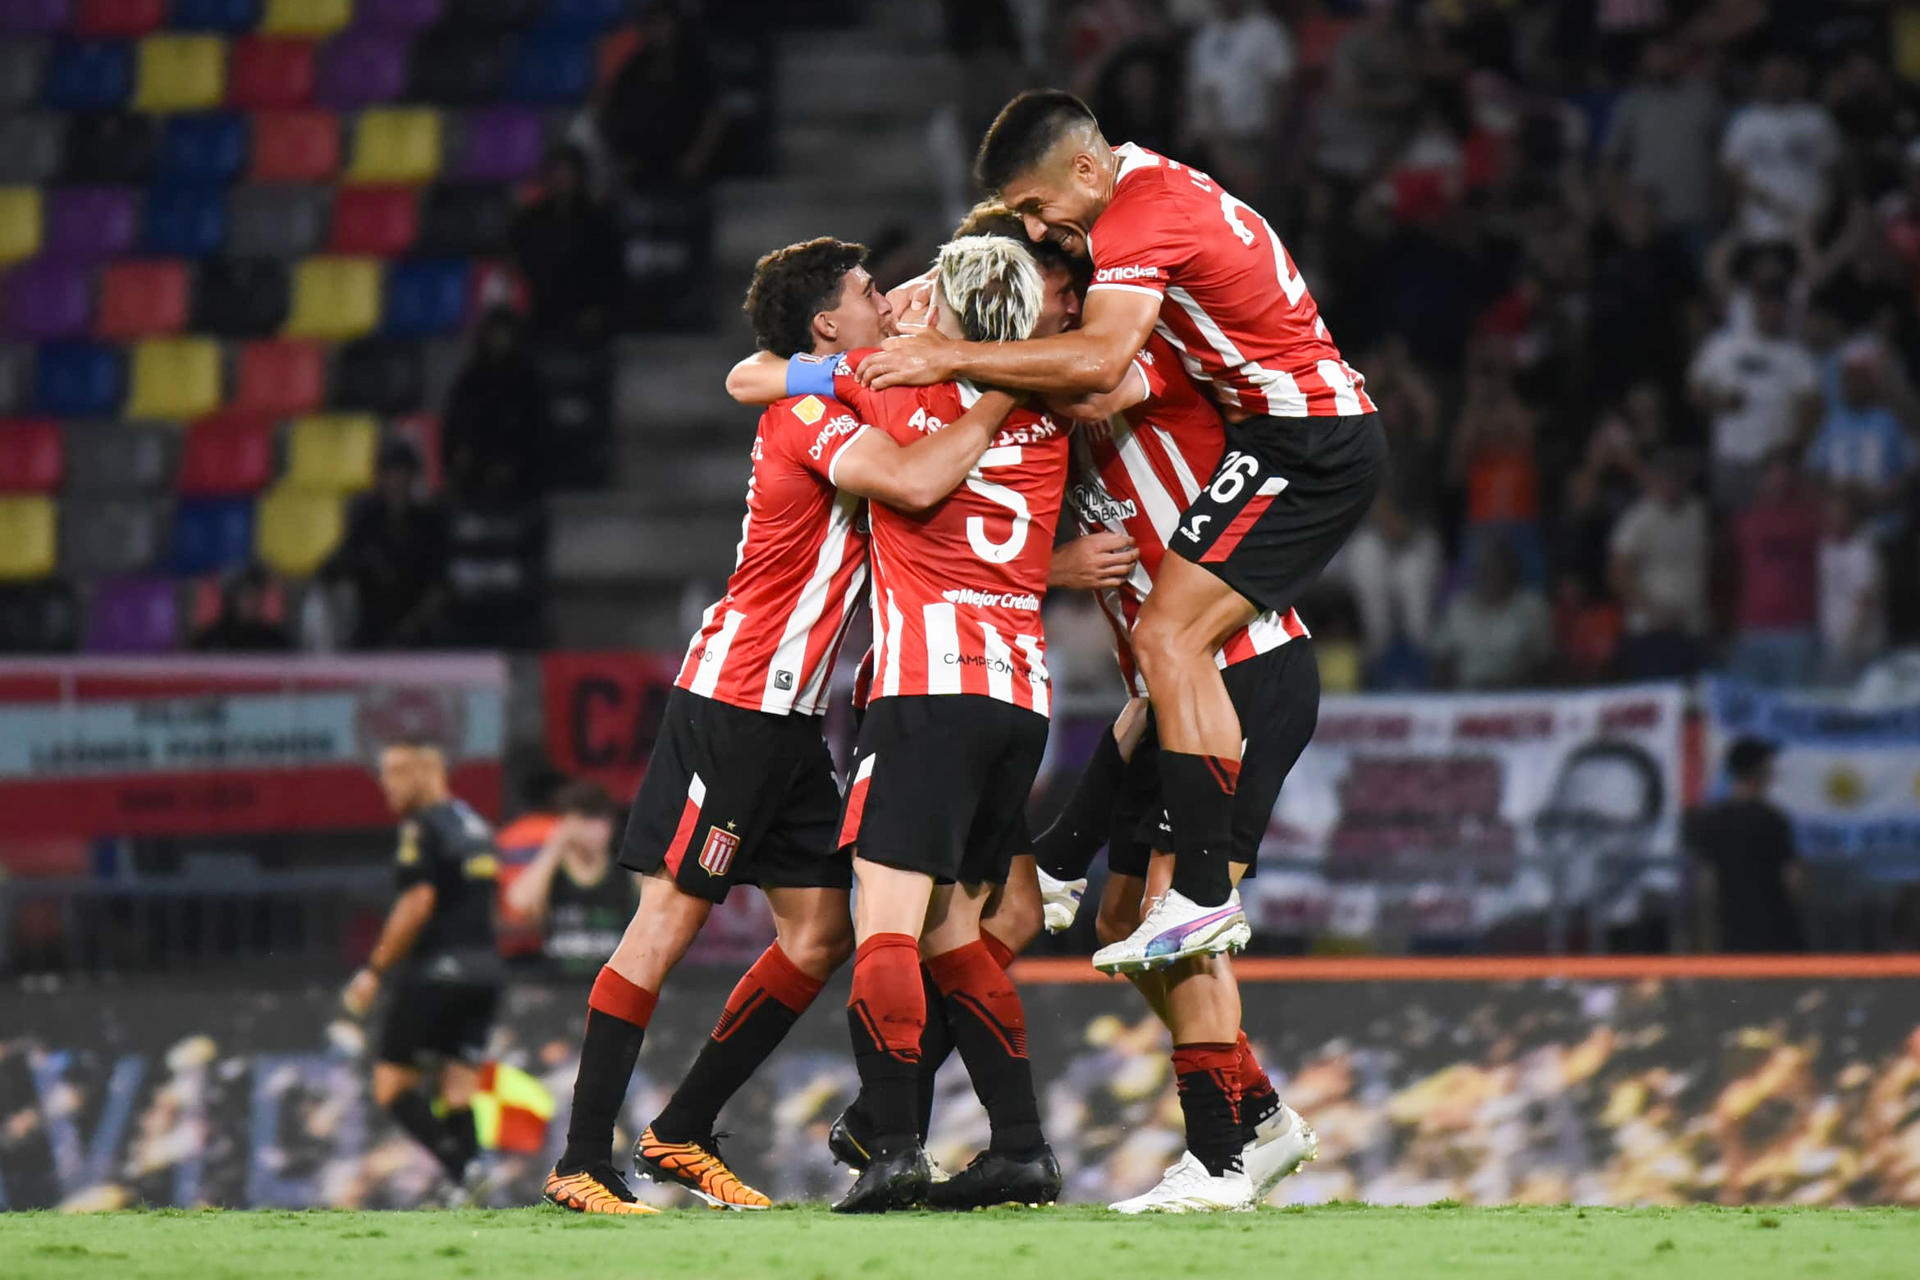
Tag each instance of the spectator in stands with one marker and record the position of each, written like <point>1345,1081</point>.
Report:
<point>245,623</point>
<point>1658,570</point>
<point>494,427</point>
<point>1662,138</point>
<point>394,555</point>
<point>1760,388</point>
<point>1137,96</point>
<point>580,898</point>
<point>1780,154</point>
<point>1393,565</point>
<point>1373,94</point>
<point>1749,884</point>
<point>1240,66</point>
<point>1642,279</point>
<point>1862,445</point>
<point>1853,592</point>
<point>568,250</point>
<point>1496,634</point>
<point>1494,456</point>
<point>1777,543</point>
<point>664,117</point>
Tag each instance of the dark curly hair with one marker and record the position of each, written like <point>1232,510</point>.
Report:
<point>793,285</point>
<point>991,218</point>
<point>1024,131</point>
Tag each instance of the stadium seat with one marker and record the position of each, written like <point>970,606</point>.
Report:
<point>380,221</point>
<point>379,375</point>
<point>361,69</point>
<point>184,222</point>
<point>295,146</point>
<point>31,145</point>
<point>281,377</point>
<point>115,147</point>
<point>36,17</point>
<point>20,66</point>
<point>16,376</point>
<point>180,73</point>
<point>102,535</point>
<point>305,17</point>
<point>499,144</point>
<point>174,378</point>
<point>119,17</point>
<point>264,73</point>
<point>426,297</point>
<point>335,298</point>
<point>231,16</point>
<point>119,457</point>
<point>296,529</point>
<point>40,617</point>
<point>226,454</point>
<point>456,66</point>
<point>88,75</point>
<point>47,298</point>
<point>211,535</point>
<point>20,223</point>
<point>206,148</point>
<point>276,221</point>
<point>30,456</point>
<point>552,68</point>
<point>133,615</point>
<point>397,15</point>
<point>332,451</point>
<point>465,220</point>
<point>28,541</point>
<point>241,297</point>
<point>78,379</point>
<point>91,222</point>
<point>396,144</point>
<point>142,300</point>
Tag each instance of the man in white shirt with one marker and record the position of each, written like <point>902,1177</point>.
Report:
<point>1761,388</point>
<point>1239,65</point>
<point>1780,151</point>
<point>1853,608</point>
<point>1659,560</point>
<point>1663,135</point>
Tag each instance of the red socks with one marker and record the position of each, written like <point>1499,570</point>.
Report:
<point>614,995</point>
<point>886,1014</point>
<point>990,1030</point>
<point>1208,1076</point>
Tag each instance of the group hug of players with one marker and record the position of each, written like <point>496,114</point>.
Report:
<point>1111,333</point>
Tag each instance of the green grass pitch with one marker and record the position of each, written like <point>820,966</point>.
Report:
<point>1333,1243</point>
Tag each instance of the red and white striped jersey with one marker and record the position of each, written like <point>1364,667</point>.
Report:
<point>1231,301</point>
<point>1135,474</point>
<point>769,643</point>
<point>957,589</point>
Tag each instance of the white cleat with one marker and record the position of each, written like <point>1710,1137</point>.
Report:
<point>1187,1187</point>
<point>1060,900</point>
<point>1280,1145</point>
<point>1177,927</point>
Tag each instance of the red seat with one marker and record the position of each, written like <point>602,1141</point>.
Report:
<point>380,221</point>
<point>295,146</point>
<point>264,73</point>
<point>225,454</point>
<point>281,377</point>
<point>30,456</point>
<point>141,300</point>
<point>119,17</point>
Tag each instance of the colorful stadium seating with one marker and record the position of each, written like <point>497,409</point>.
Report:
<point>180,73</point>
<point>119,457</point>
<point>134,615</point>
<point>332,451</point>
<point>295,146</point>
<point>335,298</point>
<point>360,69</point>
<point>30,456</point>
<point>78,379</point>
<point>305,17</point>
<point>264,72</point>
<point>27,538</point>
<point>211,535</point>
<point>280,377</point>
<point>396,144</point>
<point>20,223</point>
<point>47,298</point>
<point>381,221</point>
<point>92,222</point>
<point>119,17</point>
<point>174,378</point>
<point>229,453</point>
<point>295,529</point>
<point>141,300</point>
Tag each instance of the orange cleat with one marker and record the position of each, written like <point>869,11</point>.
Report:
<point>595,1190</point>
<point>698,1167</point>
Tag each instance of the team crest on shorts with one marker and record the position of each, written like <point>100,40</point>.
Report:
<point>716,855</point>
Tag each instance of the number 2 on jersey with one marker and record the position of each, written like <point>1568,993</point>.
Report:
<point>1291,282</point>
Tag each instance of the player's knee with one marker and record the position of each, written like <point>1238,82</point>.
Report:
<point>1016,924</point>
<point>818,952</point>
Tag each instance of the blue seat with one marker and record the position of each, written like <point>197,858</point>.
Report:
<point>552,67</point>
<point>209,147</point>
<point>89,75</point>
<point>425,297</point>
<point>79,380</point>
<point>212,535</point>
<point>237,16</point>
<point>185,222</point>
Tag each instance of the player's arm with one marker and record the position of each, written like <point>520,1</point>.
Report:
<point>916,476</point>
<point>759,379</point>
<point>526,898</point>
<point>1090,360</point>
<point>1093,562</point>
<point>410,913</point>
<point>1134,389</point>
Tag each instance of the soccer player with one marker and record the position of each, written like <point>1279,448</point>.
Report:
<point>740,788</point>
<point>1174,253</point>
<point>438,947</point>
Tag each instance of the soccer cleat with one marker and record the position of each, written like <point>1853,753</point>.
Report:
<point>1278,1146</point>
<point>1060,900</point>
<point>697,1166</point>
<point>1176,927</point>
<point>849,1141</point>
<point>597,1189</point>
<point>893,1180</point>
<point>992,1178</point>
<point>1187,1187</point>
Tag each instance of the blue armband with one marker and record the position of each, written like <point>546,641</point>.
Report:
<point>809,375</point>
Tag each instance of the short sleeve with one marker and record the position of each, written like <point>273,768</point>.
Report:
<point>1140,241</point>
<point>414,855</point>
<point>820,430</point>
<point>1626,534</point>
<point>848,389</point>
<point>1152,364</point>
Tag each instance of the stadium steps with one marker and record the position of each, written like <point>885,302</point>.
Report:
<point>611,538</point>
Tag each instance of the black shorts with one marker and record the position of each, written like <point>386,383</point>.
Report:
<point>1277,697</point>
<point>1284,497</point>
<point>429,1021</point>
<point>733,796</point>
<point>940,785</point>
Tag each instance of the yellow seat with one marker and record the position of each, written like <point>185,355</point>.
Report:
<point>180,73</point>
<point>305,17</point>
<point>27,540</point>
<point>295,529</point>
<point>19,223</point>
<point>396,144</point>
<point>332,451</point>
<point>334,298</point>
<point>174,378</point>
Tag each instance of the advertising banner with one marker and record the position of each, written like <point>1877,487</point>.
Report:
<point>602,712</point>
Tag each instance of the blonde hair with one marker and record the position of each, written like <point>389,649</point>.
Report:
<point>992,286</point>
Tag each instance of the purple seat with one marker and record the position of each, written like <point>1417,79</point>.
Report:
<point>133,615</point>
<point>47,298</point>
<point>499,144</point>
<point>92,222</point>
<point>396,15</point>
<point>361,68</point>
<point>36,17</point>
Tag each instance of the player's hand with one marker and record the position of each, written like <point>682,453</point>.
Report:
<point>912,305</point>
<point>1095,561</point>
<point>916,360</point>
<point>360,993</point>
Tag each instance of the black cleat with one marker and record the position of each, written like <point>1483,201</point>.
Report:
<point>894,1180</point>
<point>849,1140</point>
<point>994,1178</point>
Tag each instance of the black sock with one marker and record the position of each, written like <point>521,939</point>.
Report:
<point>990,1031</point>
<point>617,1014</point>
<point>936,1046</point>
<point>1210,1101</point>
<point>1067,847</point>
<point>413,1111</point>
<point>886,1013</point>
<point>466,1136</point>
<point>1198,792</point>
